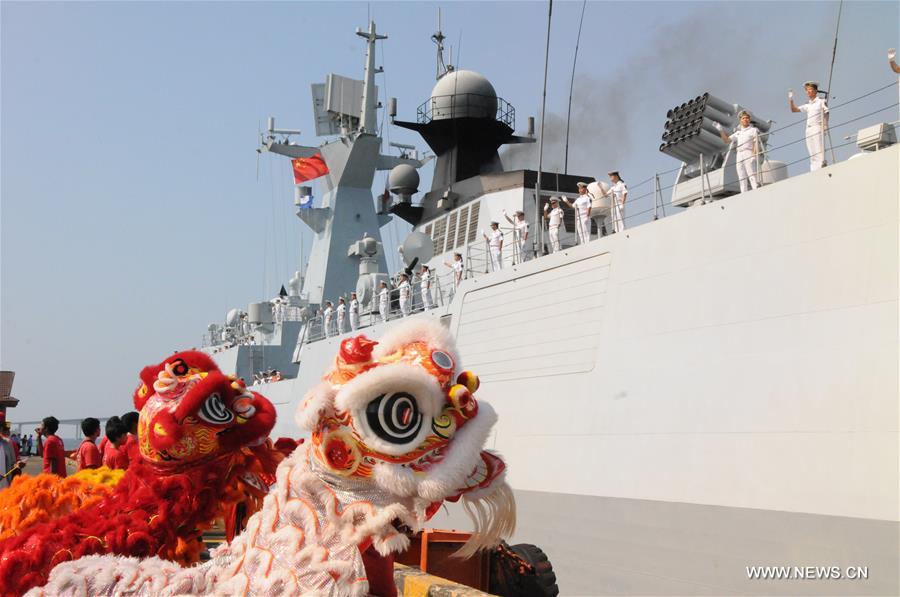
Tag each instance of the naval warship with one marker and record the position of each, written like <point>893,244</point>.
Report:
<point>751,422</point>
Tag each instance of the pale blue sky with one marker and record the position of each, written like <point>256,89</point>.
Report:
<point>131,211</point>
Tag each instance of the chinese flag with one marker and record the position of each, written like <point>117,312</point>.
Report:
<point>308,168</point>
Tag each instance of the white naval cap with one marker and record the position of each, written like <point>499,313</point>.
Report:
<point>811,84</point>
<point>581,184</point>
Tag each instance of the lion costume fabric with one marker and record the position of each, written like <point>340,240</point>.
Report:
<point>202,439</point>
<point>395,431</point>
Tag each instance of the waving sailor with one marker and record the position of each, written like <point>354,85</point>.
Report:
<point>520,228</point>
<point>457,267</point>
<point>582,206</point>
<point>553,213</point>
<point>747,140</point>
<point>816,123</point>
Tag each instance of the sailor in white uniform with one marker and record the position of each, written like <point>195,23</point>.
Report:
<point>341,315</point>
<point>457,267</point>
<point>620,194</point>
<point>553,213</point>
<point>405,295</point>
<point>582,206</point>
<point>328,317</point>
<point>495,246</point>
<point>384,301</point>
<point>816,123</point>
<point>425,281</point>
<point>746,139</point>
<point>354,312</point>
<point>520,232</point>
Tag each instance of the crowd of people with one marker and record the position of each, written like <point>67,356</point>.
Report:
<point>117,447</point>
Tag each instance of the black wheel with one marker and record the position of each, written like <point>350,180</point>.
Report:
<point>522,570</point>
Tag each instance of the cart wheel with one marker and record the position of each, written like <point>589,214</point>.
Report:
<point>522,570</point>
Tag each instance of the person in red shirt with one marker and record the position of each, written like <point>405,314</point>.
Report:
<point>113,454</point>
<point>131,449</point>
<point>54,453</point>
<point>88,456</point>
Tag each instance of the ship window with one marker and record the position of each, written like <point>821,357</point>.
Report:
<point>451,230</point>
<point>440,227</point>
<point>428,230</point>
<point>473,222</point>
<point>461,229</point>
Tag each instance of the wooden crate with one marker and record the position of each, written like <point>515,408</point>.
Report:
<point>431,552</point>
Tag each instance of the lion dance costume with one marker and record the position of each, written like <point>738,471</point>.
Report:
<point>395,431</point>
<point>203,445</point>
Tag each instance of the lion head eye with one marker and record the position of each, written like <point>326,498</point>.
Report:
<point>394,418</point>
<point>179,367</point>
<point>442,360</point>
<point>213,410</point>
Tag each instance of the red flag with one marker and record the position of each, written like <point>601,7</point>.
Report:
<point>308,168</point>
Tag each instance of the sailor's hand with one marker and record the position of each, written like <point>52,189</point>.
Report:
<point>546,207</point>
<point>718,126</point>
<point>892,53</point>
<point>790,94</point>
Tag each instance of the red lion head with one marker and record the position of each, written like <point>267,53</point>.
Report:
<point>190,411</point>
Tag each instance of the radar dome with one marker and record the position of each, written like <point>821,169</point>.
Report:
<point>417,245</point>
<point>233,317</point>
<point>403,180</point>
<point>601,201</point>
<point>463,94</point>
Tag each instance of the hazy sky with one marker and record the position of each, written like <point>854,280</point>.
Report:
<point>132,212</point>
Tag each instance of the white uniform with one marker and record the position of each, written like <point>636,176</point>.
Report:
<point>341,312</point>
<point>815,131</point>
<point>521,232</point>
<point>618,207</point>
<point>405,295</point>
<point>495,244</point>
<point>278,311</point>
<point>582,219</point>
<point>457,271</point>
<point>554,223</point>
<point>426,290</point>
<point>384,303</point>
<point>329,313</point>
<point>746,140</point>
<point>354,314</point>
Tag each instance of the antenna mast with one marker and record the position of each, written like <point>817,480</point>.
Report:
<point>368,121</point>
<point>537,189</point>
<point>438,38</point>
<point>571,87</point>
<point>831,70</point>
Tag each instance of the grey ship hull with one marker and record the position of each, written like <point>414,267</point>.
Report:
<point>704,393</point>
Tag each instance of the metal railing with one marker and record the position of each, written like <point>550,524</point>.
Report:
<point>462,105</point>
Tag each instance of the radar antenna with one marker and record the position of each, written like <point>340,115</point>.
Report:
<point>438,38</point>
